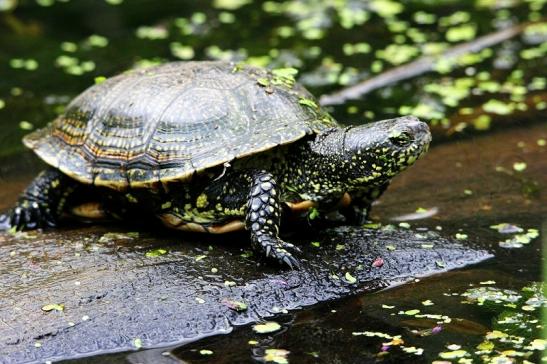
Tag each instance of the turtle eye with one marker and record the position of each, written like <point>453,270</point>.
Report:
<point>401,139</point>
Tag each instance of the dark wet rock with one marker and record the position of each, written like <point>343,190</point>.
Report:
<point>113,293</point>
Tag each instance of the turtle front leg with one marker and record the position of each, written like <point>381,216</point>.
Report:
<point>263,219</point>
<point>40,205</point>
<point>361,200</point>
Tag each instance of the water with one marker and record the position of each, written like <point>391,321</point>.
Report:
<point>487,165</point>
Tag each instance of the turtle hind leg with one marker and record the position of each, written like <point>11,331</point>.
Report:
<point>42,202</point>
<point>263,218</point>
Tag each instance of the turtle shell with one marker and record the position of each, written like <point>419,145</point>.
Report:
<point>167,122</point>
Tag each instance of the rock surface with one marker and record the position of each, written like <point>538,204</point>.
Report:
<point>119,291</point>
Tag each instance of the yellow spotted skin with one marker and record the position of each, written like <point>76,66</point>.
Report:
<point>212,147</point>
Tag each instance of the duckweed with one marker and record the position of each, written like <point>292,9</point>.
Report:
<point>461,33</point>
<point>181,51</point>
<point>397,54</point>
<point>498,107</point>
<point>386,8</point>
<point>278,356</point>
<point>53,307</point>
<point>266,327</point>
<point>152,32</point>
<point>155,253</point>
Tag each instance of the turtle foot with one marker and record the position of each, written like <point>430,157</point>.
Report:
<point>30,215</point>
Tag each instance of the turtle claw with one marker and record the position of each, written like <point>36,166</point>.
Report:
<point>291,261</point>
<point>279,250</point>
<point>291,247</point>
<point>284,257</point>
<point>31,215</point>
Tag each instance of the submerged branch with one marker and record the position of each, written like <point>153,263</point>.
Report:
<point>419,66</point>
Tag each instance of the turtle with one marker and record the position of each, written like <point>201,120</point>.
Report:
<point>214,147</point>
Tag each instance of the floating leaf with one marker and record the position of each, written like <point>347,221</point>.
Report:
<point>519,166</point>
<point>137,343</point>
<point>53,307</point>
<point>538,344</point>
<point>181,51</point>
<point>155,253</point>
<point>506,228</point>
<point>461,33</point>
<point>266,327</point>
<point>238,306</point>
<point>412,312</point>
<point>372,225</point>
<point>99,79</point>
<point>313,213</point>
<point>25,125</point>
<point>453,354</point>
<point>230,4</point>
<point>350,279</point>
<point>278,356</point>
<point>498,107</point>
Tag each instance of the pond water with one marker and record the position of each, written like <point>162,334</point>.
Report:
<point>482,183</point>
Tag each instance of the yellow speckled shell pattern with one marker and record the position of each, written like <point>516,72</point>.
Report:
<point>164,123</point>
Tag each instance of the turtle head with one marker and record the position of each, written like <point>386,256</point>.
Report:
<point>378,151</point>
<point>371,154</point>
